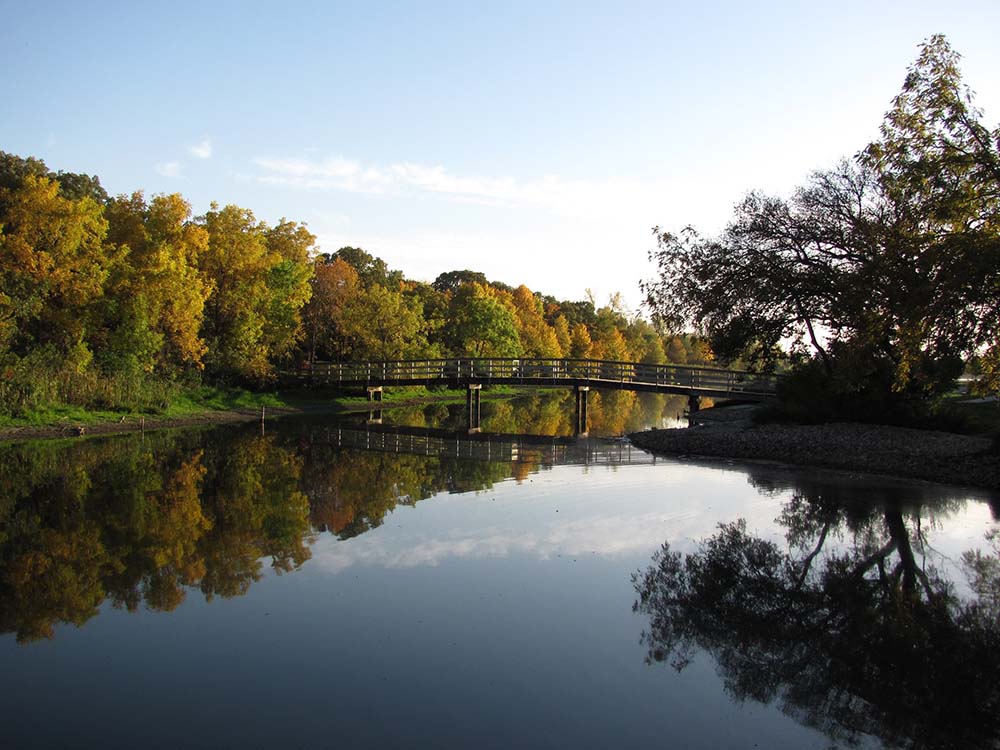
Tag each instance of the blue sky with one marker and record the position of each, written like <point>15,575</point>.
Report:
<point>537,142</point>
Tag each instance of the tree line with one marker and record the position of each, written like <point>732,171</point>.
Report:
<point>883,272</point>
<point>117,302</point>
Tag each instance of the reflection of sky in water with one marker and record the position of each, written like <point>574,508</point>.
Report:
<point>612,513</point>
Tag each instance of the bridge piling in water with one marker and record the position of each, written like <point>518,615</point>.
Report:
<point>581,427</point>
<point>472,401</point>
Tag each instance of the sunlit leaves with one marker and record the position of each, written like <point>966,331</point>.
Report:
<point>53,268</point>
<point>259,279</point>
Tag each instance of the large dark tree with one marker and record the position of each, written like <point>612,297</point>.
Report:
<point>887,265</point>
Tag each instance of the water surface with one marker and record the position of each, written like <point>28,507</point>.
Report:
<point>406,583</point>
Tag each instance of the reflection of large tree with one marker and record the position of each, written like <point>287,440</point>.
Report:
<point>865,639</point>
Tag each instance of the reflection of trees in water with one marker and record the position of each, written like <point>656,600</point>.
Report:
<point>353,491</point>
<point>141,520</point>
<point>136,520</point>
<point>551,412</point>
<point>863,637</point>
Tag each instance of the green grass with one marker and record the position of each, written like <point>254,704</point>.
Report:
<point>59,414</point>
<point>214,398</point>
<point>187,403</point>
<point>206,399</point>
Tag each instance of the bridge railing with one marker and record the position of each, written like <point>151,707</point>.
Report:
<point>538,370</point>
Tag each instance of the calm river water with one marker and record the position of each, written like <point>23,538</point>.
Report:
<point>340,583</point>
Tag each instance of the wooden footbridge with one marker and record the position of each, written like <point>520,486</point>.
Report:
<point>528,371</point>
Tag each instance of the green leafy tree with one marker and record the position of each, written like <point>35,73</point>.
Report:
<point>381,324</point>
<point>481,325</point>
<point>289,245</point>
<point>156,296</point>
<point>259,278</point>
<point>538,338</point>
<point>452,280</point>
<point>887,267</point>
<point>372,271</point>
<point>53,266</point>
<point>644,343</point>
<point>235,264</point>
<point>580,342</point>
<point>939,168</point>
<point>563,336</point>
<point>435,307</point>
<point>72,186</point>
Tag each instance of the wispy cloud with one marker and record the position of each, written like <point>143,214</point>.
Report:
<point>168,168</point>
<point>570,198</point>
<point>202,149</point>
<point>335,173</point>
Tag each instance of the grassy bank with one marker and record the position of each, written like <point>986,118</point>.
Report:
<point>206,404</point>
<point>186,403</point>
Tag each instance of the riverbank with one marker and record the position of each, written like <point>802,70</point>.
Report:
<point>875,449</point>
<point>271,407</point>
<point>142,423</point>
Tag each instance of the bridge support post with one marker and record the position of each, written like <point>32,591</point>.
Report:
<point>374,392</point>
<point>472,398</point>
<point>581,409</point>
<point>694,403</point>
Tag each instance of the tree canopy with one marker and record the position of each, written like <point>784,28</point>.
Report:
<point>885,268</point>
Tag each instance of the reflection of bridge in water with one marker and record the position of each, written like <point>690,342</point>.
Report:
<point>482,446</point>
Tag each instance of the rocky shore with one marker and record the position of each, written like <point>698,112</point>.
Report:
<point>877,449</point>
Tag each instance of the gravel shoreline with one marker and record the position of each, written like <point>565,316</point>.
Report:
<point>941,457</point>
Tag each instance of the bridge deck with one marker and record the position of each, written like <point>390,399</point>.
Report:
<point>634,376</point>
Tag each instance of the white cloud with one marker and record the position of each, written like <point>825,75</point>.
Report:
<point>568,198</point>
<point>202,149</point>
<point>335,173</point>
<point>168,169</point>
